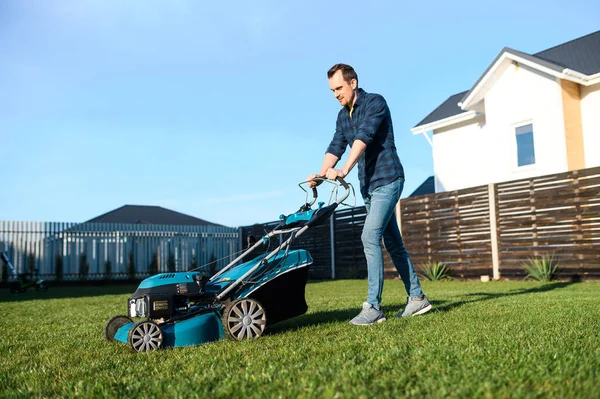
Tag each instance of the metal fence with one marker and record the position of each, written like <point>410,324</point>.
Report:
<point>84,251</point>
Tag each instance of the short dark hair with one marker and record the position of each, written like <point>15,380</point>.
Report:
<point>347,72</point>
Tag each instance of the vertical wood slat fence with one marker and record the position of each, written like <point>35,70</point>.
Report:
<point>487,230</point>
<point>45,245</point>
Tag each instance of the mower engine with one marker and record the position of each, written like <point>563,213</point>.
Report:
<point>166,295</point>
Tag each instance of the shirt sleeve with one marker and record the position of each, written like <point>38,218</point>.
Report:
<point>339,143</point>
<point>375,113</point>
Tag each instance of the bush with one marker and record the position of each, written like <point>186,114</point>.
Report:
<point>153,267</point>
<point>58,267</point>
<point>541,269</point>
<point>84,266</point>
<point>435,271</point>
<point>131,267</point>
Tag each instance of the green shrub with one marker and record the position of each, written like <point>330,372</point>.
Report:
<point>541,269</point>
<point>435,271</point>
<point>212,264</point>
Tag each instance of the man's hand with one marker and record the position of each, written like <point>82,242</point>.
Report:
<point>333,174</point>
<point>311,182</point>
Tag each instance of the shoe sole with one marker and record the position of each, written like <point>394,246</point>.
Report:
<point>370,324</point>
<point>424,310</point>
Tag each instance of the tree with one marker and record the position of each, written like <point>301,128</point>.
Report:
<point>84,266</point>
<point>58,267</point>
<point>171,264</point>
<point>153,267</point>
<point>131,267</point>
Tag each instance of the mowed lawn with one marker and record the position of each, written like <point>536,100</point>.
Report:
<point>497,339</point>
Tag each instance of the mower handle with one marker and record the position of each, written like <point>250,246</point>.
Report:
<point>320,179</point>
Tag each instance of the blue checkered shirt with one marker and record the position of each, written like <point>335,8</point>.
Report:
<point>371,123</point>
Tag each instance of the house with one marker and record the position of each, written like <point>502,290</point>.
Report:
<point>527,115</point>
<point>145,214</point>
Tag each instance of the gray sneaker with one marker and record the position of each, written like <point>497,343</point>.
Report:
<point>368,315</point>
<point>415,307</point>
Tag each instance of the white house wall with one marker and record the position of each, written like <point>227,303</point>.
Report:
<point>590,119</point>
<point>475,154</point>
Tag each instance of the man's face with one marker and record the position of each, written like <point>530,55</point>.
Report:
<point>342,90</point>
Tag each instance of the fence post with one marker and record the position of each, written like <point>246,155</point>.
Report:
<point>494,230</point>
<point>332,242</point>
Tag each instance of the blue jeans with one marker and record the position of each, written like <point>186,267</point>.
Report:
<point>381,222</point>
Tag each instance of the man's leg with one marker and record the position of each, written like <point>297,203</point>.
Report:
<point>380,208</point>
<point>395,247</point>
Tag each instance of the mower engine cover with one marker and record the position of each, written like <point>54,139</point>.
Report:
<point>166,294</point>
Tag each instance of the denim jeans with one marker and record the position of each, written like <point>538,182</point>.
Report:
<point>381,222</point>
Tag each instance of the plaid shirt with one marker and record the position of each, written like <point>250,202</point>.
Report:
<point>370,123</point>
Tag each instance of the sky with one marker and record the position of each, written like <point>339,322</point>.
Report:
<point>219,109</point>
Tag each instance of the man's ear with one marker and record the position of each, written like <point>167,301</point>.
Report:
<point>353,84</point>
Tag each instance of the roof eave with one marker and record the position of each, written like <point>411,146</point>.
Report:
<point>451,120</point>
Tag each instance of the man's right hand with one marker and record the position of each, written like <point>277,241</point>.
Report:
<point>311,182</point>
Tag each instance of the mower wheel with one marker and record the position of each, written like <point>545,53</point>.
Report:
<point>113,324</point>
<point>145,336</point>
<point>41,287</point>
<point>244,318</point>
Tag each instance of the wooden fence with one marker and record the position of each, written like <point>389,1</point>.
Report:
<point>487,230</point>
<point>72,251</point>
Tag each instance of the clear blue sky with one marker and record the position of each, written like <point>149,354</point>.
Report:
<point>219,109</point>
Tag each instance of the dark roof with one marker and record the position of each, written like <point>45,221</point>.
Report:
<point>581,55</point>
<point>427,187</point>
<point>447,109</point>
<point>143,214</point>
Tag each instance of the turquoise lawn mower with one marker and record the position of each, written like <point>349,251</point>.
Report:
<point>188,308</point>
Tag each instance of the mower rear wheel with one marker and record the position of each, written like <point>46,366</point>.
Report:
<point>145,336</point>
<point>113,324</point>
<point>244,318</point>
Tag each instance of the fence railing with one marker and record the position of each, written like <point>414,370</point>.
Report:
<point>116,251</point>
<point>487,230</point>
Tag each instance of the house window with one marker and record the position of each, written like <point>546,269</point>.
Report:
<point>525,150</point>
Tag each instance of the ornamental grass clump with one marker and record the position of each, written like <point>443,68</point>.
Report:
<point>541,269</point>
<point>435,271</point>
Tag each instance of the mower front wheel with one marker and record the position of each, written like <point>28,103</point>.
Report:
<point>244,318</point>
<point>113,324</point>
<point>145,336</point>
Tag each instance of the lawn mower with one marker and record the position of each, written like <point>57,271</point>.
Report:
<point>238,302</point>
<point>23,281</point>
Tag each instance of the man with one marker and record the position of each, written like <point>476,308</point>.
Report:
<point>365,123</point>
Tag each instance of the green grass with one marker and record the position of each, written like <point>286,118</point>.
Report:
<point>497,339</point>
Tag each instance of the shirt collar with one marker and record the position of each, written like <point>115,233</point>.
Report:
<point>360,93</point>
